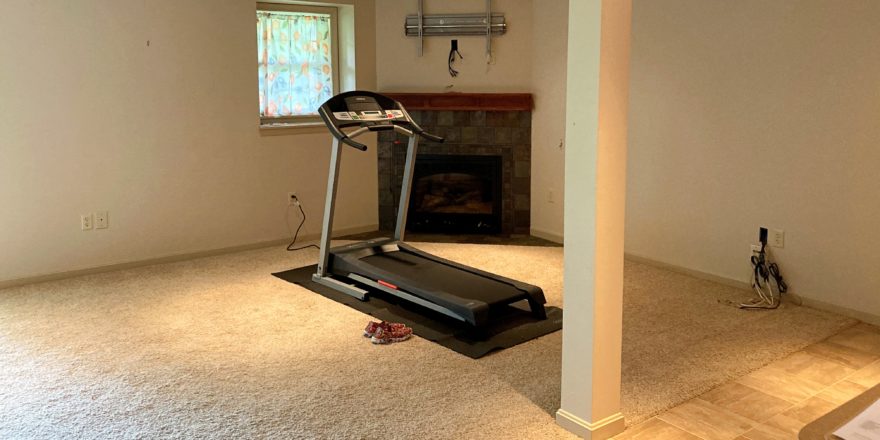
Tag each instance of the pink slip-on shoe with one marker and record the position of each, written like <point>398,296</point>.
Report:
<point>371,328</point>
<point>387,333</point>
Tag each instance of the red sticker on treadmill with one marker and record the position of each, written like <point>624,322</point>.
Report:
<point>387,284</point>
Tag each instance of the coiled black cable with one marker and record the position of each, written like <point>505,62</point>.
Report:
<point>780,283</point>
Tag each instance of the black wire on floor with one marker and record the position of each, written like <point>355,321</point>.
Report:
<point>296,234</point>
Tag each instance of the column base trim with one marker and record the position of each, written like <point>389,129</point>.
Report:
<point>600,430</point>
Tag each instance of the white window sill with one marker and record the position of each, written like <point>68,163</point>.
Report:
<point>292,128</point>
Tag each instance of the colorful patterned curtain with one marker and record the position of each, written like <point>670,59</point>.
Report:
<point>294,59</point>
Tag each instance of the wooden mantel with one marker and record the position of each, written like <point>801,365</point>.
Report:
<point>465,101</point>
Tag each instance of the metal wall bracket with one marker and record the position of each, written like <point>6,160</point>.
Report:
<point>488,24</point>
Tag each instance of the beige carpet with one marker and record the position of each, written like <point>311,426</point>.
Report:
<point>218,348</point>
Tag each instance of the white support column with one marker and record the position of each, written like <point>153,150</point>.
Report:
<point>595,189</point>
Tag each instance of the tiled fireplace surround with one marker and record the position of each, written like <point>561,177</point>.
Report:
<point>472,124</point>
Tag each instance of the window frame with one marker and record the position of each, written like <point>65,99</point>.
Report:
<point>333,12</point>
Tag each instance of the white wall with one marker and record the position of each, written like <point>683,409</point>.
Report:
<point>400,69</point>
<point>550,40</point>
<point>759,113</point>
<point>165,137</point>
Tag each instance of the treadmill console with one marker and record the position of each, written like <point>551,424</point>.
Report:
<point>367,110</point>
<point>368,115</point>
<point>356,108</point>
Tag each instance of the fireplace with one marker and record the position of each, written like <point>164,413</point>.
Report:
<point>456,194</point>
<point>488,147</point>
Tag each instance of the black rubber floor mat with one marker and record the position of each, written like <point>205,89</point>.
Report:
<point>508,327</point>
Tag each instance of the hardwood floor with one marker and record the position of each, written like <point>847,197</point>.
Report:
<point>775,402</point>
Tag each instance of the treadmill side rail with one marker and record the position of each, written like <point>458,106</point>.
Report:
<point>347,264</point>
<point>411,298</point>
<point>535,294</point>
<point>339,286</point>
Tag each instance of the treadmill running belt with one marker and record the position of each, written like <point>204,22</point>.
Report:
<point>518,325</point>
<point>439,277</point>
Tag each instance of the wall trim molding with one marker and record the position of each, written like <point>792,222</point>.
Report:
<point>547,235</point>
<point>687,271</point>
<point>808,302</point>
<point>464,101</point>
<point>599,430</point>
<point>173,258</point>
<point>828,307</point>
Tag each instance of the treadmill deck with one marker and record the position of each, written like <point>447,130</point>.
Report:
<point>466,293</point>
<point>435,277</point>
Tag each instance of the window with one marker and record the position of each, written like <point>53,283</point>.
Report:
<point>296,61</point>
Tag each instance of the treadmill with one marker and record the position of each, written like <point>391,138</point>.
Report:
<point>389,265</point>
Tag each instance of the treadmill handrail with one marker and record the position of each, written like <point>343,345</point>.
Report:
<point>417,129</point>
<point>431,137</point>
<point>338,134</point>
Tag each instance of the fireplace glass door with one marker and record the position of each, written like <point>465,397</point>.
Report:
<point>459,194</point>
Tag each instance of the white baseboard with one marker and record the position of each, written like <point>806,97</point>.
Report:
<point>692,272</point>
<point>845,311</point>
<point>546,235</point>
<point>600,430</point>
<point>175,258</point>
<point>809,302</point>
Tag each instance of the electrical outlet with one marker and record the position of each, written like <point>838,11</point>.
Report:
<point>755,251</point>
<point>777,238</point>
<point>550,198</point>
<point>291,198</point>
<point>101,220</point>
<point>85,222</point>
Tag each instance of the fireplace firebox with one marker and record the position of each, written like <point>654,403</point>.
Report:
<point>474,125</point>
<point>459,194</point>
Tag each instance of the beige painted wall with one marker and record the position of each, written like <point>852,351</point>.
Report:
<point>759,113</point>
<point>550,26</point>
<point>165,137</point>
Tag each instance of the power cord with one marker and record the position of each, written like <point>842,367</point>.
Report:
<point>452,52</point>
<point>765,276</point>
<point>774,272</point>
<point>290,247</point>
